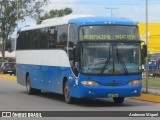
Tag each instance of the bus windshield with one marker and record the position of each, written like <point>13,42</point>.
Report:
<point>110,58</point>
<point>109,33</point>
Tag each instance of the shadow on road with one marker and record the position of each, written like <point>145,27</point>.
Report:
<point>99,102</point>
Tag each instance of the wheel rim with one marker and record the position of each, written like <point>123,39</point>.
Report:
<point>67,91</point>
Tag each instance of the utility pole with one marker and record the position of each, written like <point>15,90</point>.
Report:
<point>1,17</point>
<point>17,14</point>
<point>111,9</point>
<point>17,23</point>
<point>147,46</point>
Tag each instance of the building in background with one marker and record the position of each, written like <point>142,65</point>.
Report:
<point>153,36</point>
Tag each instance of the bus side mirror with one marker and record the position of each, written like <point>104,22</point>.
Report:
<point>144,51</point>
<point>75,71</point>
<point>77,53</point>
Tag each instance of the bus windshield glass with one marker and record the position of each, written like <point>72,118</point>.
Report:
<point>110,58</point>
<point>109,33</point>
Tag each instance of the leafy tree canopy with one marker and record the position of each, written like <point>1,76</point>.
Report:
<point>55,13</point>
<point>13,10</point>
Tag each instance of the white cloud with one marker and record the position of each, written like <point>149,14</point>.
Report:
<point>134,12</point>
<point>60,4</point>
<point>154,14</point>
<point>138,13</point>
<point>77,8</point>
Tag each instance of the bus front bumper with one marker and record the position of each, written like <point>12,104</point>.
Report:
<point>109,91</point>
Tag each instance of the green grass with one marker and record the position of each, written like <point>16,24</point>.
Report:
<point>153,82</point>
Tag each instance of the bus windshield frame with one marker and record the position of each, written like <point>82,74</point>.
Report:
<point>117,61</point>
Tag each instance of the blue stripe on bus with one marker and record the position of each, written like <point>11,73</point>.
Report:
<point>50,78</point>
<point>43,77</point>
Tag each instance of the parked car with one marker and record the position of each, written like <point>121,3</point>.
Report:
<point>8,68</point>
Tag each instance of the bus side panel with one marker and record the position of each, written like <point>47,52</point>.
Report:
<point>46,68</point>
<point>48,78</point>
<point>20,71</point>
<point>64,72</point>
<point>31,70</point>
<point>34,76</point>
<point>53,78</point>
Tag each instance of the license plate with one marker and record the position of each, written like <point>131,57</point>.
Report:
<point>112,95</point>
<point>9,71</point>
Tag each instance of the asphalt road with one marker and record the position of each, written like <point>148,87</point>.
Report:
<point>13,97</point>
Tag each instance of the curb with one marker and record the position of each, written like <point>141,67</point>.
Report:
<point>8,77</point>
<point>148,98</point>
<point>143,97</point>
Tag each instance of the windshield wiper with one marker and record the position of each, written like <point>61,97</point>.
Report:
<point>106,62</point>
<point>120,60</point>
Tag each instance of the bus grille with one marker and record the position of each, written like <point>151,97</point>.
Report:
<point>114,84</point>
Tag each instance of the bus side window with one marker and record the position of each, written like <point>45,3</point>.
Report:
<point>73,35</point>
<point>20,41</point>
<point>62,36</point>
<point>73,39</point>
<point>52,37</point>
<point>24,41</point>
<point>28,42</point>
<point>43,38</point>
<point>36,39</point>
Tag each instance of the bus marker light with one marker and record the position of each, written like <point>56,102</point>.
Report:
<point>89,92</point>
<point>135,91</point>
<point>76,81</point>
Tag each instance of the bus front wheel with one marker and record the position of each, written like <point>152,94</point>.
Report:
<point>118,100</point>
<point>31,90</point>
<point>66,91</point>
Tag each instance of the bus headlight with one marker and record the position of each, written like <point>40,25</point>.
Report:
<point>89,83</point>
<point>135,82</point>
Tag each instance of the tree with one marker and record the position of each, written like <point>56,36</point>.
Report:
<point>8,46</point>
<point>55,13</point>
<point>9,16</point>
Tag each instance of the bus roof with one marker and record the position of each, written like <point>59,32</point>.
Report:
<point>101,21</point>
<point>80,20</point>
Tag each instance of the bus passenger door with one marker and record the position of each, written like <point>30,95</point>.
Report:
<point>73,48</point>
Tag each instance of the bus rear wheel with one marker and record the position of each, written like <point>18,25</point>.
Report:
<point>118,100</point>
<point>66,92</point>
<point>31,90</point>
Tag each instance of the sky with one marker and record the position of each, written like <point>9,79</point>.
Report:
<point>130,9</point>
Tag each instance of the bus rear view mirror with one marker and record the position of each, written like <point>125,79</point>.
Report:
<point>144,51</point>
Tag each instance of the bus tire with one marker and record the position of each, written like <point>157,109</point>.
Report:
<point>118,100</point>
<point>31,90</point>
<point>66,93</point>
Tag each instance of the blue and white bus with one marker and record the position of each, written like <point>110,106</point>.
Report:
<point>81,57</point>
